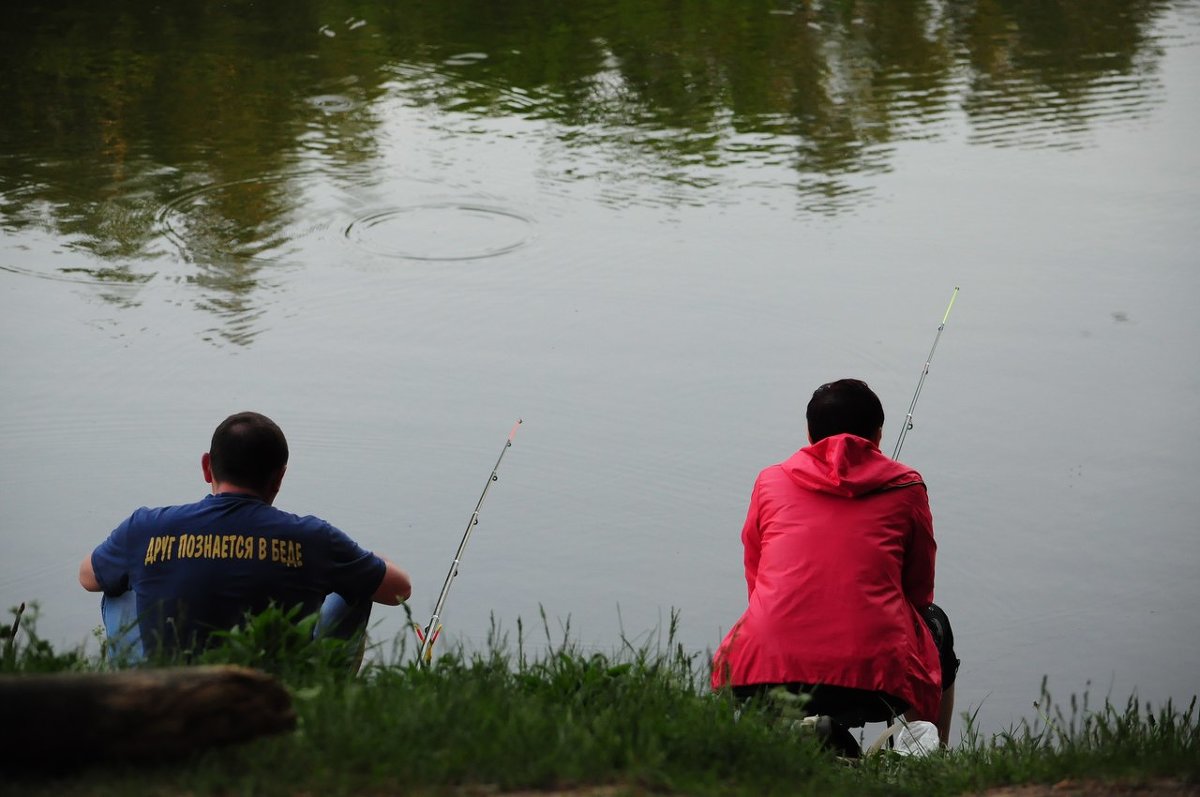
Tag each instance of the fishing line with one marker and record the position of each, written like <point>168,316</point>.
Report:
<point>908,418</point>
<point>434,629</point>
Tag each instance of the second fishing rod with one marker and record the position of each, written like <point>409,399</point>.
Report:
<point>908,417</point>
<point>431,632</point>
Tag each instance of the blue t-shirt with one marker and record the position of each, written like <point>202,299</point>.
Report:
<point>201,567</point>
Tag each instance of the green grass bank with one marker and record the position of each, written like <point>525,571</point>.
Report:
<point>639,720</point>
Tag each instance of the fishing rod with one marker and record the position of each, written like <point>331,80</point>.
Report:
<point>434,629</point>
<point>908,418</point>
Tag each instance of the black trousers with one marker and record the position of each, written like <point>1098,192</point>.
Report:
<point>854,707</point>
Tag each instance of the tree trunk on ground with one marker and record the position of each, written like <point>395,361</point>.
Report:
<point>68,718</point>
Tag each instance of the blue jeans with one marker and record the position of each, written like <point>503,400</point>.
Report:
<point>338,619</point>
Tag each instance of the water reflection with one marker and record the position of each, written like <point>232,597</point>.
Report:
<point>1046,84</point>
<point>187,141</point>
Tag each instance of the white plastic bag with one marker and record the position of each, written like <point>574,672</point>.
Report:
<point>918,738</point>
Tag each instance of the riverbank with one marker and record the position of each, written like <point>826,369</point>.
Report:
<point>639,721</point>
<point>1155,787</point>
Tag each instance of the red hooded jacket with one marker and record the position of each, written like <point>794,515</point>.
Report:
<point>839,556</point>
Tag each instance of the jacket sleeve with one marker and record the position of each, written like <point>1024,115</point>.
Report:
<point>752,541</point>
<point>921,554</point>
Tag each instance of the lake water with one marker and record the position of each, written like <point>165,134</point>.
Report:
<point>649,230</point>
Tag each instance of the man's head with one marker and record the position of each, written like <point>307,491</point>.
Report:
<point>846,406</point>
<point>249,451</point>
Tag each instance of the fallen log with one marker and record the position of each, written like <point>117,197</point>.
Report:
<point>136,715</point>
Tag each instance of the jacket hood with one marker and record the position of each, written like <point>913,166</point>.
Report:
<point>847,465</point>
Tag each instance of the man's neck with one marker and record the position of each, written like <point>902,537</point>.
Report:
<point>225,488</point>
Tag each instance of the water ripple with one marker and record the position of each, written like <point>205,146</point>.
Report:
<point>441,231</point>
<point>1020,111</point>
<point>240,219</point>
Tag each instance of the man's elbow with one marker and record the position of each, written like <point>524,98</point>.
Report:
<point>396,587</point>
<point>87,576</point>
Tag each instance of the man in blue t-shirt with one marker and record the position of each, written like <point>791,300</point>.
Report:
<point>172,575</point>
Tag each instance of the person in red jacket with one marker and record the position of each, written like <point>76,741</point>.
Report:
<point>839,559</point>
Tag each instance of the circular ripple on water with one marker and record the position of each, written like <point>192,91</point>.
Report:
<point>441,231</point>
<point>333,103</point>
<point>256,219</point>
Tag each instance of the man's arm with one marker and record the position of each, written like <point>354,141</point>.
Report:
<point>352,568</point>
<point>87,575</point>
<point>106,568</point>
<point>395,587</point>
<point>751,542</point>
<point>921,555</point>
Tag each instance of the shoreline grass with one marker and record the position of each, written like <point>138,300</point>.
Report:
<point>640,720</point>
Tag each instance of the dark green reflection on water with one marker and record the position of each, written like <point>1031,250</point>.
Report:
<point>116,116</point>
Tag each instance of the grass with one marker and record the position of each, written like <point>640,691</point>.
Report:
<point>640,719</point>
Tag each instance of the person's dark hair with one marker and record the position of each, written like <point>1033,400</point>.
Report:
<point>248,450</point>
<point>846,406</point>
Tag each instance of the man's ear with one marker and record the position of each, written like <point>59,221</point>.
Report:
<point>277,482</point>
<point>206,466</point>
<point>877,438</point>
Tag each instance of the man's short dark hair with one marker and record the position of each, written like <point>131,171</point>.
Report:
<point>846,406</point>
<point>248,450</point>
